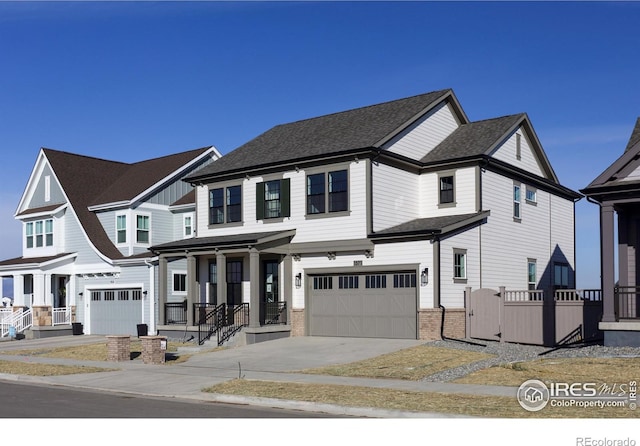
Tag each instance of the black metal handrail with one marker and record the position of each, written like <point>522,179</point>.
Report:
<point>210,321</point>
<point>175,313</point>
<point>235,317</point>
<point>627,302</point>
<point>273,313</point>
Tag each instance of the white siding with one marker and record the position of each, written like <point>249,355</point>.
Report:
<point>464,192</point>
<point>507,243</point>
<point>351,226</point>
<point>528,160</point>
<point>452,291</point>
<point>632,176</point>
<point>422,137</point>
<point>395,196</point>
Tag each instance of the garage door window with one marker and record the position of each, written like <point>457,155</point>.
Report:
<point>376,281</point>
<point>123,295</point>
<point>323,283</point>
<point>407,280</point>
<point>348,282</point>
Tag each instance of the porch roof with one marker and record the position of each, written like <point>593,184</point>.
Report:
<point>33,261</point>
<point>224,241</point>
<point>430,227</point>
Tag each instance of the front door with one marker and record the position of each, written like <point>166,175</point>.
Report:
<point>269,307</point>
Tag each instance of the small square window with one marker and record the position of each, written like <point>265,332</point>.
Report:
<point>531,195</point>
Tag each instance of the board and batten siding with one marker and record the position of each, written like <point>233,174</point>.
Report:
<point>395,196</point>
<point>424,135</point>
<point>508,243</point>
<point>452,290</point>
<point>465,193</point>
<point>528,159</point>
<point>352,224</point>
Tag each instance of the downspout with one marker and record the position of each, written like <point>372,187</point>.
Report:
<point>151,297</point>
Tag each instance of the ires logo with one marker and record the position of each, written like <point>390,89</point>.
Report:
<point>575,390</point>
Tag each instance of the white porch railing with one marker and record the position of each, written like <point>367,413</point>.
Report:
<point>20,320</point>
<point>62,316</point>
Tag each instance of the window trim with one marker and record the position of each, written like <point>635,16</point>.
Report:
<point>441,176</point>
<point>148,230</point>
<point>225,206</point>
<point>532,285</point>
<point>517,202</point>
<point>325,172</point>
<point>126,229</point>
<point>534,191</point>
<point>456,267</point>
<point>41,237</point>
<point>191,226</point>
<point>180,273</point>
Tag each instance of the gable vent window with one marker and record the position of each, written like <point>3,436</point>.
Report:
<point>47,188</point>
<point>273,199</point>
<point>518,146</point>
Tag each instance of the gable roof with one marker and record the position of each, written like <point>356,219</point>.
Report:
<point>334,134</point>
<point>87,181</point>
<point>635,136</point>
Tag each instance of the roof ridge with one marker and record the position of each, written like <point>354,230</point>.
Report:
<point>365,107</point>
<point>498,118</point>
<point>184,152</point>
<point>79,155</point>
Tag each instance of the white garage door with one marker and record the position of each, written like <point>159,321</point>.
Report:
<point>116,311</point>
<point>380,305</point>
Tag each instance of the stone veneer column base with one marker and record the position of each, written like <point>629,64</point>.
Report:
<point>297,322</point>
<point>430,323</point>
<point>42,316</point>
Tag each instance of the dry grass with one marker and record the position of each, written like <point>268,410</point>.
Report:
<point>569,370</point>
<point>411,364</point>
<point>35,369</point>
<point>455,404</point>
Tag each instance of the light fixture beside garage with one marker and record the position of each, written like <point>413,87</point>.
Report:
<point>424,277</point>
<point>298,280</point>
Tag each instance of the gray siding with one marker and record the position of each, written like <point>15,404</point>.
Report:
<point>56,195</point>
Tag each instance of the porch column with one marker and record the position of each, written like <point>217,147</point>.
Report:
<point>18,291</point>
<point>623,249</point>
<point>221,272</point>
<point>607,262</point>
<point>162,288</point>
<point>287,262</point>
<point>192,286</point>
<point>39,289</point>
<point>436,273</point>
<point>254,285</point>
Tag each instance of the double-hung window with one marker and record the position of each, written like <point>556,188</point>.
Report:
<point>446,189</point>
<point>273,199</point>
<point>39,233</point>
<point>187,225</point>
<point>29,234</point>
<point>459,264</point>
<point>121,229</point>
<point>142,229</point>
<point>225,205</point>
<point>327,192</point>
<point>516,202</point>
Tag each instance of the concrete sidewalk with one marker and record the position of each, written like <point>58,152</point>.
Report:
<point>278,360</point>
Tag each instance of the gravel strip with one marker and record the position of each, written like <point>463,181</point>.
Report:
<point>508,353</point>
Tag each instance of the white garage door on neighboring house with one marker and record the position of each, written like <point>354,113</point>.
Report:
<point>377,305</point>
<point>115,311</point>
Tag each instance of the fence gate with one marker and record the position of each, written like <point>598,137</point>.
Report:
<point>483,312</point>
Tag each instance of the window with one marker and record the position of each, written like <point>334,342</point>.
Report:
<point>179,283</point>
<point>516,202</point>
<point>376,281</point>
<point>531,274</point>
<point>109,295</point>
<point>328,192</point>
<point>188,225</point>
<point>459,264</point>
<point>96,296</point>
<point>234,204</point>
<point>404,280</point>
<point>123,294</point>
<point>531,195</point>
<point>348,282</point>
<point>518,146</point>
<point>446,189</point>
<point>561,275</point>
<point>121,229</point>
<point>216,206</point>
<point>39,233</point>
<point>136,294</point>
<point>142,228</point>
<point>323,283</point>
<point>272,199</point>
<point>315,194</point>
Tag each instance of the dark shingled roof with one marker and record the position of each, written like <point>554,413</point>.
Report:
<point>89,181</point>
<point>32,260</point>
<point>431,225</point>
<point>221,240</point>
<point>475,138</point>
<point>635,136</point>
<point>361,128</point>
<point>188,198</point>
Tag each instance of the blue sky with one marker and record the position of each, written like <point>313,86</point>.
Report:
<point>130,81</point>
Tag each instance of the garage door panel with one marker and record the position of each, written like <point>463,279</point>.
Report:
<point>113,313</point>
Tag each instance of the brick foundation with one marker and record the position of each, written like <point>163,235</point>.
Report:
<point>154,349</point>
<point>430,323</point>
<point>297,322</point>
<point>118,348</point>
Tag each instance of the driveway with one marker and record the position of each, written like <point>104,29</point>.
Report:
<point>298,353</point>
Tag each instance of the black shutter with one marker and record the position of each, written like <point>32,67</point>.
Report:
<point>259,201</point>
<point>285,197</point>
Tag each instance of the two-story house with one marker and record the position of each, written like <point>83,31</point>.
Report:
<point>372,221</point>
<point>87,225</point>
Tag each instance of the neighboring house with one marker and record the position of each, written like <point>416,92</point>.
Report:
<point>371,221</point>
<point>87,225</point>
<point>617,192</point>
